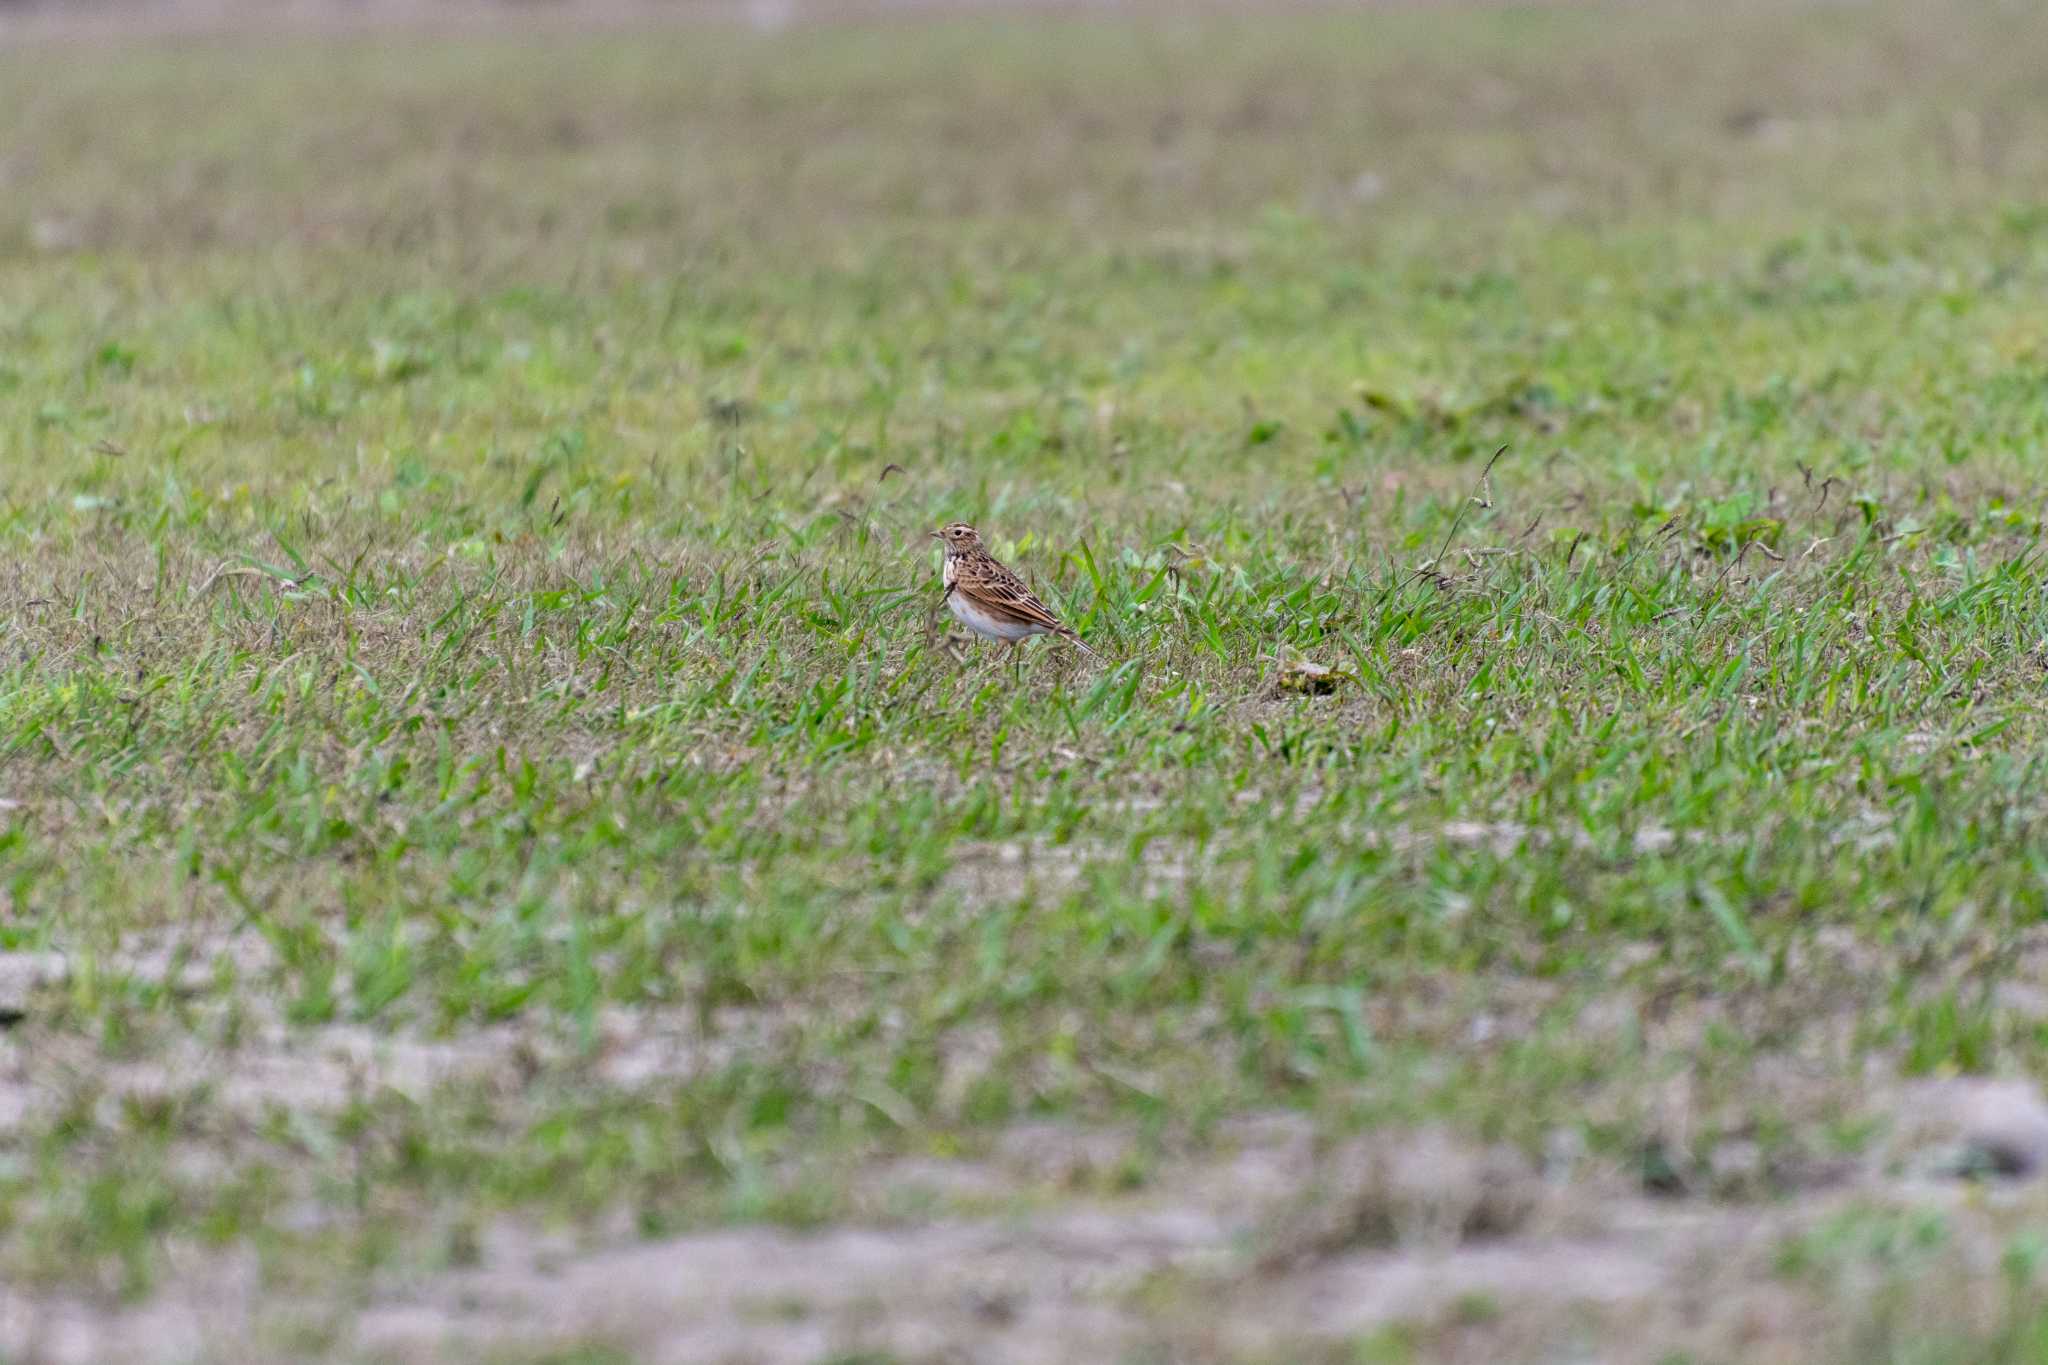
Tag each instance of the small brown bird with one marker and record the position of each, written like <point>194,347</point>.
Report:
<point>989,599</point>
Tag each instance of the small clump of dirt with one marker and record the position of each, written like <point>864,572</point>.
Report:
<point>1426,1190</point>
<point>1972,1126</point>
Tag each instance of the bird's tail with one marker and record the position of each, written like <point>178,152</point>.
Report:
<point>1073,638</point>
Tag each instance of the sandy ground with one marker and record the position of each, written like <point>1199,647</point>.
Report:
<point>1267,1243</point>
<point>1277,1246</point>
<point>1055,1243</point>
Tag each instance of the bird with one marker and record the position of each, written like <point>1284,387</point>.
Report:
<point>990,600</point>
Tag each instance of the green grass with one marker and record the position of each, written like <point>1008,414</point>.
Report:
<point>462,507</point>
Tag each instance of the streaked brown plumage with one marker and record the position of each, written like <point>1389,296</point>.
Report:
<point>989,599</point>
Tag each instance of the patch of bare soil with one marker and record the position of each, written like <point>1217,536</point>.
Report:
<point>257,1063</point>
<point>1273,1245</point>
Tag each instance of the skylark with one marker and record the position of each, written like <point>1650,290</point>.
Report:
<point>989,599</point>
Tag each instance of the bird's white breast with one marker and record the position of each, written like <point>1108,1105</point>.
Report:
<point>981,623</point>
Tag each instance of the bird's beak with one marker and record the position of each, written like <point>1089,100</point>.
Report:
<point>934,535</point>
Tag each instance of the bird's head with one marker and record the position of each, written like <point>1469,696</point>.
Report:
<point>958,538</point>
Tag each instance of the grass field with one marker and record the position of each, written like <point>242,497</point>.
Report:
<point>498,861</point>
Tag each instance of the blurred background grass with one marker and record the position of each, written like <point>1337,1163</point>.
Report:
<point>651,149</point>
